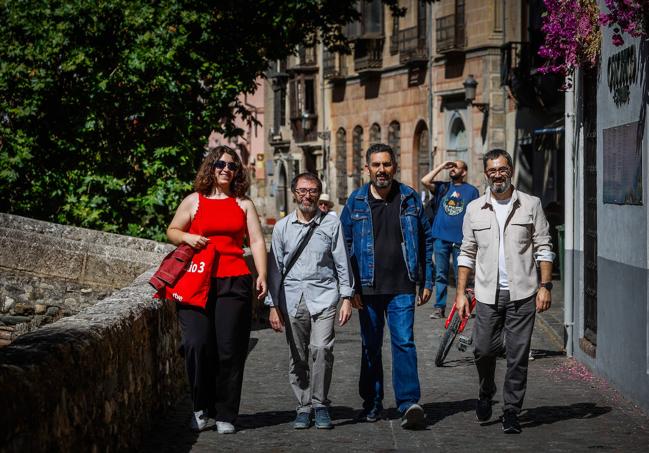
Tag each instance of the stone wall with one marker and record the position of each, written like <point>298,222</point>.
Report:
<point>92,381</point>
<point>48,271</point>
<point>28,302</point>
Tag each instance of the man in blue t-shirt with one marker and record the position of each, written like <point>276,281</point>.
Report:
<point>452,199</point>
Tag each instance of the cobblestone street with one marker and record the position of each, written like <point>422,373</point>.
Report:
<point>566,408</point>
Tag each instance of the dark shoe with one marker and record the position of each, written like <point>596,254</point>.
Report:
<point>438,313</point>
<point>322,418</point>
<point>199,421</point>
<point>413,418</point>
<point>370,415</point>
<point>483,410</point>
<point>302,421</point>
<point>510,423</point>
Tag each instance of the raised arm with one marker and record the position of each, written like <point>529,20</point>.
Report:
<point>427,180</point>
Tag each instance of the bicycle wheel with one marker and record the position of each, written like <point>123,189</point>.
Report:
<point>447,340</point>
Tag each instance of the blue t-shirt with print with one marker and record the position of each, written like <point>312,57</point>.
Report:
<point>450,212</point>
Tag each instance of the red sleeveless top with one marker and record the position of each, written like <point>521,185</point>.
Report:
<point>224,223</point>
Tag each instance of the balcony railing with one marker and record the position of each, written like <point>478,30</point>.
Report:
<point>334,67</point>
<point>368,55</point>
<point>412,46</point>
<point>449,34</point>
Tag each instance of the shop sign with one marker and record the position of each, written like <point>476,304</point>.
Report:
<point>622,72</point>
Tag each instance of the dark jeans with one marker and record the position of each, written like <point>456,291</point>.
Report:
<point>517,318</point>
<point>215,345</point>
<point>443,252</point>
<point>399,310</point>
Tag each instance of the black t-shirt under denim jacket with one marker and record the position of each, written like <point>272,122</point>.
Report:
<point>390,271</point>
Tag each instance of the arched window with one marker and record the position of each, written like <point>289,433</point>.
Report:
<point>341,165</point>
<point>375,134</point>
<point>457,135</point>
<point>422,162</point>
<point>357,156</point>
<point>394,141</point>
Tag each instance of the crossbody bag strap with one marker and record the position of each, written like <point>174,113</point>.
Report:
<point>301,246</point>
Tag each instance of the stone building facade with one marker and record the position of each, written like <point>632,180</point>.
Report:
<point>405,84</point>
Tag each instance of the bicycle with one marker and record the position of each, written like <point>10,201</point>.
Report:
<point>455,325</point>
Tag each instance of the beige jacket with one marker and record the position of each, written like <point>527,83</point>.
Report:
<point>527,240</point>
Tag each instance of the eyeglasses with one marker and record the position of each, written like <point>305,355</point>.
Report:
<point>221,164</point>
<point>302,191</point>
<point>505,171</point>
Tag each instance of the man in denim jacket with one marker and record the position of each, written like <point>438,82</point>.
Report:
<point>387,217</point>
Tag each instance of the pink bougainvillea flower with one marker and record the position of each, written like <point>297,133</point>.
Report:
<point>617,39</point>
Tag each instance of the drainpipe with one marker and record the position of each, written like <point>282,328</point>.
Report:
<point>325,138</point>
<point>569,209</point>
<point>431,89</point>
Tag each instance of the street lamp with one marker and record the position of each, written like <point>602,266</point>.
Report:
<point>308,120</point>
<point>470,85</point>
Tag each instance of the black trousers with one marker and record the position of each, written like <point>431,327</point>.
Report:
<point>517,318</point>
<point>215,345</point>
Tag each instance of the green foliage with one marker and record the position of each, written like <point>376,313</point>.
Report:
<point>106,105</point>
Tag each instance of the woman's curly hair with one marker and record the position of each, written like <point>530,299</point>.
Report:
<point>205,180</point>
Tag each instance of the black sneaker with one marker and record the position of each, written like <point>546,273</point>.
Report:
<point>510,423</point>
<point>483,410</point>
<point>370,415</point>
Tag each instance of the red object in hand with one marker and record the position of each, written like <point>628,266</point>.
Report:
<point>470,295</point>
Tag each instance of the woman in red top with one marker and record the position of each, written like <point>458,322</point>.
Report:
<point>215,339</point>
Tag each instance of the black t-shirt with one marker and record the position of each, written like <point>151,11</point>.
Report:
<point>390,272</point>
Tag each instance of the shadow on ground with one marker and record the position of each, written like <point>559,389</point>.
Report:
<point>547,415</point>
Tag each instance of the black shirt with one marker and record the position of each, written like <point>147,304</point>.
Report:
<point>390,272</point>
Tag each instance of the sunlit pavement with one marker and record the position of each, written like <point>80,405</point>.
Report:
<point>566,407</point>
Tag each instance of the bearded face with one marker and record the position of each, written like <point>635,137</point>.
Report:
<point>382,170</point>
<point>498,175</point>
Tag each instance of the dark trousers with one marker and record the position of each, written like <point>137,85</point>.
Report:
<point>517,318</point>
<point>215,345</point>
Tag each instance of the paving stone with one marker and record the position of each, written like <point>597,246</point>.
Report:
<point>566,408</point>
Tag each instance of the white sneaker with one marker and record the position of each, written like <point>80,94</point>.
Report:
<point>414,418</point>
<point>199,421</point>
<point>224,428</point>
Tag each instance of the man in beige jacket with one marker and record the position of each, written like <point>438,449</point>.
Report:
<point>506,235</point>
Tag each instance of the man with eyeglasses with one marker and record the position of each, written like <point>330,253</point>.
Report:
<point>304,302</point>
<point>389,241</point>
<point>506,236</point>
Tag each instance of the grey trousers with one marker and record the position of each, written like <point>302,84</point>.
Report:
<point>311,358</point>
<point>517,318</point>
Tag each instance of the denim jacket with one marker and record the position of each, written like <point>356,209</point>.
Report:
<point>416,240</point>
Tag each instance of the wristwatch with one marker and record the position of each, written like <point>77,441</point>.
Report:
<point>546,285</point>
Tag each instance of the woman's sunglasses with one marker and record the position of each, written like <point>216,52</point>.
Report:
<point>221,164</point>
